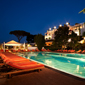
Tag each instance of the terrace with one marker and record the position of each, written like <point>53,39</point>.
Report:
<point>46,77</point>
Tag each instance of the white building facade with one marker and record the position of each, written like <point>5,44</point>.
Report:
<point>78,28</point>
<point>50,34</point>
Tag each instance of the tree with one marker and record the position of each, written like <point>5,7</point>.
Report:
<point>82,11</point>
<point>61,36</point>
<point>19,34</point>
<point>83,34</point>
<point>74,40</point>
<point>39,40</point>
<point>30,38</point>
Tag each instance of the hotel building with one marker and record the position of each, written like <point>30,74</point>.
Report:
<point>50,34</point>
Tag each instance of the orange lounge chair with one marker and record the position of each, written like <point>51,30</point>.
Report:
<point>33,50</point>
<point>28,50</point>
<point>1,50</point>
<point>37,50</point>
<point>65,51</point>
<point>18,50</point>
<point>20,66</point>
<point>68,51</point>
<point>6,50</point>
<point>83,51</point>
<point>24,50</point>
<point>72,51</point>
<point>14,50</point>
<point>48,50</point>
<point>59,50</point>
<point>79,51</point>
<point>43,50</point>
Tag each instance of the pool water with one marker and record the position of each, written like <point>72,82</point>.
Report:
<point>73,64</point>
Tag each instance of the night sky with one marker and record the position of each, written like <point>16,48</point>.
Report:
<point>37,16</point>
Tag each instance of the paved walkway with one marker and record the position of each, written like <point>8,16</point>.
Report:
<point>45,77</point>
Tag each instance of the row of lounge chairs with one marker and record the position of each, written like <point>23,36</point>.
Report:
<point>70,51</point>
<point>17,64</point>
<point>36,50</point>
<point>25,50</point>
<point>67,51</point>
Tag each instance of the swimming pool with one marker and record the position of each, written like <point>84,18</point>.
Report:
<point>73,64</point>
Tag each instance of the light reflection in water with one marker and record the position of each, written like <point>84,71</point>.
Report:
<point>48,62</point>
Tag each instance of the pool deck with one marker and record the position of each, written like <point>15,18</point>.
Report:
<point>45,77</point>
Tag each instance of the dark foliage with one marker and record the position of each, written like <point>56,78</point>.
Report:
<point>19,34</point>
<point>30,38</point>
<point>61,36</point>
<point>39,40</point>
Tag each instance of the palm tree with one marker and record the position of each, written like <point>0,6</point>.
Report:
<point>82,11</point>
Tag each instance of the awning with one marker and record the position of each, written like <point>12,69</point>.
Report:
<point>12,43</point>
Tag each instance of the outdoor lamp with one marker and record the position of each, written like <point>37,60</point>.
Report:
<point>84,38</point>
<point>54,27</point>
<point>67,23</point>
<point>49,28</point>
<point>60,25</point>
<point>69,40</point>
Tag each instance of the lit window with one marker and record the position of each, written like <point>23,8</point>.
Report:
<point>77,27</point>
<point>46,38</point>
<point>81,27</point>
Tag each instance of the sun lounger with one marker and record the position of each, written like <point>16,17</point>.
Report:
<point>48,50</point>
<point>18,50</point>
<point>58,50</point>
<point>65,51</point>
<point>43,50</point>
<point>83,51</point>
<point>6,50</point>
<point>28,50</point>
<point>1,50</point>
<point>14,51</point>
<point>24,50</point>
<point>19,64</point>
<point>33,50</point>
<point>79,51</point>
<point>37,50</point>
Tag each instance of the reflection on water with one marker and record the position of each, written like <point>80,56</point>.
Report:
<point>48,62</point>
<point>77,69</point>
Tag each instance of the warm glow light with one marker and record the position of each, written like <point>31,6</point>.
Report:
<point>54,27</point>
<point>49,28</point>
<point>28,45</point>
<point>67,23</point>
<point>60,25</point>
<point>69,40</point>
<point>84,38</point>
<point>13,44</point>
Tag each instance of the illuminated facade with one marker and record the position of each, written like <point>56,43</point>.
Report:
<point>78,28</point>
<point>49,36</point>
